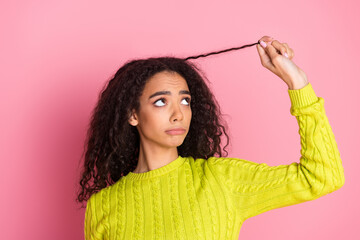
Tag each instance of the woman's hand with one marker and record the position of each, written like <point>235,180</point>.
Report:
<point>273,57</point>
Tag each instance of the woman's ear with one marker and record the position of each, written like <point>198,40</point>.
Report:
<point>133,119</point>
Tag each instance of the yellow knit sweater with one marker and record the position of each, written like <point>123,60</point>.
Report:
<point>211,198</point>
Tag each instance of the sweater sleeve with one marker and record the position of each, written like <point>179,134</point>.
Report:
<point>257,188</point>
<point>95,223</point>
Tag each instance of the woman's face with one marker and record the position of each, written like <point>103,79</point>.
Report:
<point>164,105</point>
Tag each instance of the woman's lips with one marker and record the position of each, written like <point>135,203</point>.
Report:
<point>176,131</point>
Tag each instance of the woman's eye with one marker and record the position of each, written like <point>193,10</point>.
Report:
<point>159,104</point>
<point>187,100</point>
<point>159,100</point>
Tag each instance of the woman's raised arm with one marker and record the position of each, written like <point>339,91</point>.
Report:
<point>256,188</point>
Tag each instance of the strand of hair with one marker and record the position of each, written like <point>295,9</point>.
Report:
<point>222,51</point>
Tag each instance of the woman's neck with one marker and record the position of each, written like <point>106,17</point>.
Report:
<point>151,158</point>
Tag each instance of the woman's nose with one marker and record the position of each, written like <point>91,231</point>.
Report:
<point>177,114</point>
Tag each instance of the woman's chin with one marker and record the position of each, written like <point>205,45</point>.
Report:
<point>176,142</point>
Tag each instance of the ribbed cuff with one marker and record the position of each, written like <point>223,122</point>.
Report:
<point>302,97</point>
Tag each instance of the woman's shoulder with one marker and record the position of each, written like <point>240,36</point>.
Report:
<point>215,162</point>
<point>105,193</point>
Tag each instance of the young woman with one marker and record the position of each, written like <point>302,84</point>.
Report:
<point>154,168</point>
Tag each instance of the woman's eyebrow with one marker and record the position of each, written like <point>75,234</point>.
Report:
<point>168,93</point>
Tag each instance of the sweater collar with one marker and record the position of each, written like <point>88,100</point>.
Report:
<point>157,172</point>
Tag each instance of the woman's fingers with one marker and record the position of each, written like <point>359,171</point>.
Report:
<point>289,51</point>
<point>279,47</point>
<point>262,54</point>
<point>264,58</point>
<point>272,56</point>
<point>266,39</point>
<point>271,51</point>
<point>269,55</point>
<point>283,48</point>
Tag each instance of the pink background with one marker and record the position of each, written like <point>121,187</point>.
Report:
<point>56,56</point>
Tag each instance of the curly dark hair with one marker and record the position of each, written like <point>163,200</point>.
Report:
<point>112,144</point>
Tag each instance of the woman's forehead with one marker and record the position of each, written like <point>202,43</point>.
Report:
<point>165,81</point>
